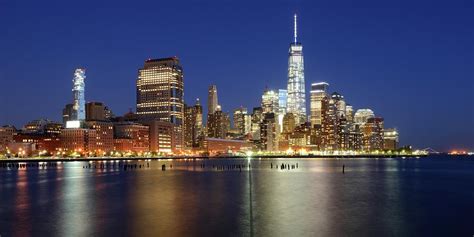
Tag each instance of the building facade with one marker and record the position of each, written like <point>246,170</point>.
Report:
<point>160,90</point>
<point>318,93</point>
<point>130,136</point>
<point>296,82</point>
<point>212,101</point>
<point>390,139</point>
<point>240,120</point>
<point>78,106</point>
<point>78,140</point>
<point>104,136</point>
<point>193,130</point>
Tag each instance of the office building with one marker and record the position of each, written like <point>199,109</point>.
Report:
<point>78,108</point>
<point>257,117</point>
<point>193,124</point>
<point>240,118</point>
<point>296,82</point>
<point>98,111</point>
<point>318,93</point>
<point>289,123</point>
<point>362,115</point>
<point>218,124</point>
<point>390,139</point>
<point>6,136</point>
<point>131,137</point>
<point>160,91</point>
<point>268,133</point>
<point>270,101</point>
<point>80,141</point>
<point>104,140</point>
<point>373,134</point>
<point>212,101</point>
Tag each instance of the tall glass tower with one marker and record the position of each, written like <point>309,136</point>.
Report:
<point>78,107</point>
<point>296,89</point>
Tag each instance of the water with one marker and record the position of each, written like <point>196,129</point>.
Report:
<point>374,197</point>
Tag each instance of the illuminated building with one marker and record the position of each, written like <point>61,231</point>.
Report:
<point>161,136</point>
<point>6,136</point>
<point>349,113</point>
<point>104,140</point>
<point>300,137</point>
<point>78,140</point>
<point>241,120</point>
<point>193,124</point>
<point>43,133</point>
<point>218,124</point>
<point>21,149</point>
<point>130,136</point>
<point>42,126</point>
<point>270,101</point>
<point>78,111</point>
<point>318,93</point>
<point>257,117</point>
<point>373,134</point>
<point>282,100</point>
<point>98,111</point>
<point>268,133</point>
<point>289,123</point>
<point>351,140</point>
<point>362,115</point>
<point>74,114</point>
<point>296,83</point>
<point>212,101</point>
<point>282,103</point>
<point>329,127</point>
<point>340,104</point>
<point>390,139</point>
<point>217,146</point>
<point>248,124</point>
<point>160,94</point>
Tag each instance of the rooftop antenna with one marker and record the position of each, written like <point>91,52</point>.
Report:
<point>295,28</point>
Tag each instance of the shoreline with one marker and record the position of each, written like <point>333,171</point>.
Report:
<point>62,159</point>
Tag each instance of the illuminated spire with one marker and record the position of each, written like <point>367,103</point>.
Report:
<point>295,28</point>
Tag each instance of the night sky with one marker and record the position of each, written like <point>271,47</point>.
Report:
<point>412,62</point>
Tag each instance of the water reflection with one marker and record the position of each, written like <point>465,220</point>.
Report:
<point>215,198</point>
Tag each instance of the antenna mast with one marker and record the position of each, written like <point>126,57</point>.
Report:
<point>295,29</point>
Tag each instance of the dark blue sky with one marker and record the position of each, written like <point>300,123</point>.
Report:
<point>412,62</point>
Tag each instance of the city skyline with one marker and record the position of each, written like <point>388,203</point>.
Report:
<point>386,107</point>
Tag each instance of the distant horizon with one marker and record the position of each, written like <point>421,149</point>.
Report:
<point>393,59</point>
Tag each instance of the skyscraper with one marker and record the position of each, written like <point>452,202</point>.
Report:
<point>373,134</point>
<point>340,104</point>
<point>218,124</point>
<point>240,115</point>
<point>257,117</point>
<point>193,124</point>
<point>296,83</point>
<point>78,112</point>
<point>362,115</point>
<point>270,101</point>
<point>318,93</point>
<point>268,132</point>
<point>160,94</point>
<point>212,101</point>
<point>282,102</point>
<point>329,128</point>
